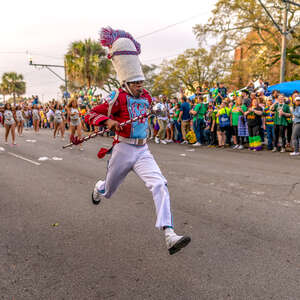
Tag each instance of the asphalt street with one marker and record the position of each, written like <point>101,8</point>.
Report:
<point>241,209</point>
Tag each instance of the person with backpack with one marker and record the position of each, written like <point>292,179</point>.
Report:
<point>223,123</point>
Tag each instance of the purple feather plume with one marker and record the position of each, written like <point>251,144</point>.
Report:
<point>108,36</point>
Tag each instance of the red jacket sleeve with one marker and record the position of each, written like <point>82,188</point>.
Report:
<point>99,113</point>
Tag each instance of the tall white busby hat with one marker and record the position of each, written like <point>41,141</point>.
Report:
<point>123,51</point>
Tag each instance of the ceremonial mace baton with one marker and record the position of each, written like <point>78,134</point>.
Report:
<point>94,134</point>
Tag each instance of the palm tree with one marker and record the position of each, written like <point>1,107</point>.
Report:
<point>3,90</point>
<point>14,84</point>
<point>87,65</point>
<point>292,55</point>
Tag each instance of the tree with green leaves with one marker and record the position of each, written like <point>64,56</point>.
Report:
<point>13,84</point>
<point>3,90</point>
<point>150,72</point>
<point>87,65</point>
<point>232,20</point>
<point>244,23</point>
<point>188,70</point>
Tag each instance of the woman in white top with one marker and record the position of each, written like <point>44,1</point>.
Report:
<point>36,118</point>
<point>20,120</point>
<point>50,116</point>
<point>9,123</point>
<point>58,121</point>
<point>26,116</point>
<point>74,117</point>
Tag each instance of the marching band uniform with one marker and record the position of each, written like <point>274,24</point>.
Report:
<point>130,151</point>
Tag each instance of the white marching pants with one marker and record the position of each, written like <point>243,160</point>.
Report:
<point>126,157</point>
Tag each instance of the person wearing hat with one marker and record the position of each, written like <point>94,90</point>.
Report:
<point>130,151</point>
<point>296,128</point>
<point>245,97</point>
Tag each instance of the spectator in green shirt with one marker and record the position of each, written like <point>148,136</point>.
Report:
<point>198,113</point>
<point>282,112</point>
<point>177,124</point>
<point>237,110</point>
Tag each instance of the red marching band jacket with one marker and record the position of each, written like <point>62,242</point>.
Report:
<point>121,106</point>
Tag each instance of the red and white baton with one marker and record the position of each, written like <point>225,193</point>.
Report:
<point>94,134</point>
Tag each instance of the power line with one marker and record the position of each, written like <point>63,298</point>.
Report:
<point>28,52</point>
<point>171,25</point>
<point>162,57</point>
<point>140,37</point>
<point>291,2</point>
<point>47,56</point>
<point>284,31</point>
<point>12,52</point>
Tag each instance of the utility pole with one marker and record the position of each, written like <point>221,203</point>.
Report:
<point>66,81</point>
<point>49,67</point>
<point>284,31</point>
<point>283,43</point>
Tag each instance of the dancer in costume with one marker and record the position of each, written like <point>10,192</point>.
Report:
<point>58,121</point>
<point>36,118</point>
<point>20,120</point>
<point>9,123</point>
<point>74,117</point>
<point>130,151</point>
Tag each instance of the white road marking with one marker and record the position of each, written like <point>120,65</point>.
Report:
<point>56,158</point>
<point>43,158</point>
<point>24,158</point>
<point>31,141</point>
<point>183,154</point>
<point>2,149</point>
<point>258,193</point>
<point>191,150</point>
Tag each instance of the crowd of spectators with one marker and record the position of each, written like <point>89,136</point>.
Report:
<point>250,118</point>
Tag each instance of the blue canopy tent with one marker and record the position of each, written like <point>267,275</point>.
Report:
<point>287,88</point>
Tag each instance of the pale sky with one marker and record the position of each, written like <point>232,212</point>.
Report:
<point>46,29</point>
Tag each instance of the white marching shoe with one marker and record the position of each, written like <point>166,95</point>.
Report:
<point>96,195</point>
<point>175,242</point>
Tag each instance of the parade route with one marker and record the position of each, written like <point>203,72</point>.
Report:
<point>243,218</point>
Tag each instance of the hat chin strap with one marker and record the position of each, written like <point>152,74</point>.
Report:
<point>128,89</point>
